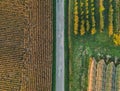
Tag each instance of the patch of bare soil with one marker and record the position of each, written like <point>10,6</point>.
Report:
<point>26,45</point>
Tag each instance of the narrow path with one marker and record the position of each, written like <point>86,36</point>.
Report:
<point>59,45</point>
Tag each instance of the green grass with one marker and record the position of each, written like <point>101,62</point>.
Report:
<point>66,47</point>
<point>54,48</point>
<point>98,43</point>
<point>78,64</point>
<point>81,48</point>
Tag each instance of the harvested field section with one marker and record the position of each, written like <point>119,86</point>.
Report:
<point>26,45</point>
<point>40,61</point>
<point>117,78</point>
<point>100,78</point>
<point>110,77</point>
<point>92,75</point>
<point>104,77</point>
<point>13,22</point>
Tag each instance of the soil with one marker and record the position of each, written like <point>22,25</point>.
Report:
<point>26,38</point>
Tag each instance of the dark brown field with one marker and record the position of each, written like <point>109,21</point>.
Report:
<point>26,38</point>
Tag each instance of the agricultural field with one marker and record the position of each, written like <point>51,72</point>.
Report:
<point>94,32</point>
<point>41,46</point>
<point>103,76</point>
<point>26,45</point>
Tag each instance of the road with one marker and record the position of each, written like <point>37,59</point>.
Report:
<point>59,45</point>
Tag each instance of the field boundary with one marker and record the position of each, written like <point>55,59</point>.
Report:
<point>69,40</point>
<point>66,44</point>
<point>54,47</point>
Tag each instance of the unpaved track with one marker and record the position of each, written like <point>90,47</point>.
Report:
<point>59,45</point>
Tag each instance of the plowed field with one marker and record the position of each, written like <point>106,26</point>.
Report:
<point>26,45</point>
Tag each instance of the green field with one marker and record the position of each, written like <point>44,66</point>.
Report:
<point>81,48</point>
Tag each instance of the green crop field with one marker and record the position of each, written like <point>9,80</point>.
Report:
<point>93,32</point>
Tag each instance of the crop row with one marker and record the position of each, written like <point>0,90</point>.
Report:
<point>103,77</point>
<point>26,45</point>
<point>91,16</point>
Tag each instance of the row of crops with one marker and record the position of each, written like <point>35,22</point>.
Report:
<point>26,36</point>
<point>103,77</point>
<point>94,32</point>
<point>13,22</point>
<point>94,16</point>
<point>40,44</point>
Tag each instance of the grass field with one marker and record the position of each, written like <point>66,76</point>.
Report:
<point>81,48</point>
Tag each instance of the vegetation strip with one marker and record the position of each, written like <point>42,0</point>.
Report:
<point>66,44</point>
<point>54,47</point>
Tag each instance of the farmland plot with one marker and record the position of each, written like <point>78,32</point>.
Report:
<point>26,45</point>
<point>110,77</point>
<point>92,75</point>
<point>93,32</point>
<point>100,78</point>
<point>117,78</point>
